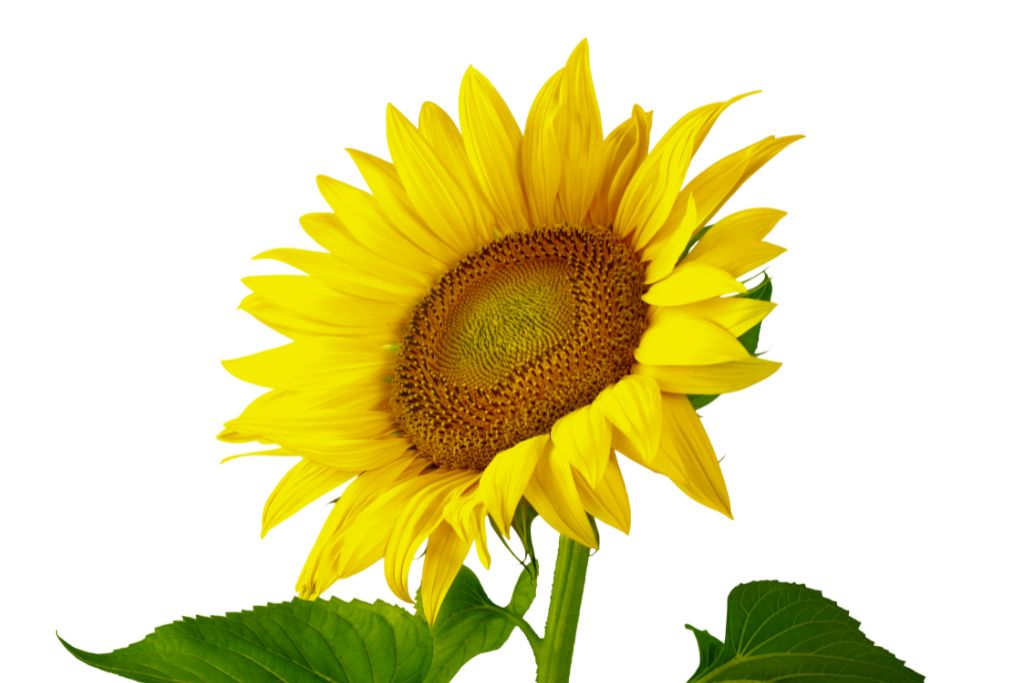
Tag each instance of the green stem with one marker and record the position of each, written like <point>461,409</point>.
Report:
<point>555,658</point>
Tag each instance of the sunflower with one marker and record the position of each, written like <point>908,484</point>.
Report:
<point>502,315</point>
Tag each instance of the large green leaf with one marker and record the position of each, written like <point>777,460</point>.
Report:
<point>787,633</point>
<point>749,339</point>
<point>469,624</point>
<point>299,642</point>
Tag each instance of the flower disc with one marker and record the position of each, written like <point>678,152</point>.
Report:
<point>516,335</point>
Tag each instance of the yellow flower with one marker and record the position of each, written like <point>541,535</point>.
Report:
<point>502,313</point>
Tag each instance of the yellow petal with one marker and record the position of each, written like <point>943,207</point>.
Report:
<point>492,141</point>
<point>363,219</point>
<point>738,258</point>
<point>504,480</point>
<point>687,457</point>
<point>311,363</point>
<point>719,378</point>
<point>649,197</point>
<point>365,535</point>
<point>444,557</point>
<point>282,406</point>
<point>552,493</point>
<point>354,441</point>
<point>633,406</point>
<point>313,421</point>
<point>751,225</point>
<point>433,190</point>
<point>345,428</point>
<point>692,281</point>
<point>324,564</point>
<point>421,514</point>
<point>664,251</point>
<point>268,453</point>
<point>300,486</point>
<point>340,277</point>
<point>312,299</point>
<point>713,187</point>
<point>584,439</point>
<point>683,340</point>
<point>480,539</point>
<point>542,156</point>
<point>623,151</point>
<point>467,514</point>
<point>295,325</point>
<point>578,124</point>
<point>734,243</point>
<point>444,136</point>
<point>375,268</point>
<point>735,314</point>
<point>341,431</point>
<point>608,500</point>
<point>393,201</point>
<point>354,454</point>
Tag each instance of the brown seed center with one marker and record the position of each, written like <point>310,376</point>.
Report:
<point>516,335</point>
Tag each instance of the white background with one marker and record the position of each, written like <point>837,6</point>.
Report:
<point>148,151</point>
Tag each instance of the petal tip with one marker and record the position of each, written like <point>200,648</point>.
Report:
<point>472,74</point>
<point>581,52</point>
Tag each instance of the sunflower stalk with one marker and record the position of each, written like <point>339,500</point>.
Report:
<point>554,661</point>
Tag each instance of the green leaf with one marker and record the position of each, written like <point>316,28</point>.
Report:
<point>749,339</point>
<point>469,624</point>
<point>299,641</point>
<point>787,633</point>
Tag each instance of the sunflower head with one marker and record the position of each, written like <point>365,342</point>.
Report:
<point>527,329</point>
<point>498,318</point>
